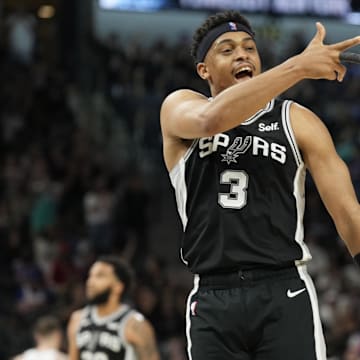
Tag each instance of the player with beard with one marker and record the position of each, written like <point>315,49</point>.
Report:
<point>108,329</point>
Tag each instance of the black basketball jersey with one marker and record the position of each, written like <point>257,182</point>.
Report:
<point>102,338</point>
<point>240,196</point>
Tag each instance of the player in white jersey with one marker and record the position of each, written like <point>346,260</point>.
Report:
<point>48,336</point>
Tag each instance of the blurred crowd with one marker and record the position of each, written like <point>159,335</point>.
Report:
<point>82,174</point>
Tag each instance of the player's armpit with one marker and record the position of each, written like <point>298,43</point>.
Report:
<point>140,334</point>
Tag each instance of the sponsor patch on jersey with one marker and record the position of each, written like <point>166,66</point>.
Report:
<point>268,128</point>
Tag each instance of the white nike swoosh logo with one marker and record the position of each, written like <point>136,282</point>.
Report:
<point>292,294</point>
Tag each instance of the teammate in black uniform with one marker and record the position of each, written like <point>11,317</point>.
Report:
<point>107,329</point>
<point>237,162</point>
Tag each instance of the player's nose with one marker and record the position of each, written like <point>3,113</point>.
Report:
<point>240,53</point>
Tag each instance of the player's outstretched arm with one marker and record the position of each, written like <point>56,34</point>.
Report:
<point>186,114</point>
<point>140,334</point>
<point>330,173</point>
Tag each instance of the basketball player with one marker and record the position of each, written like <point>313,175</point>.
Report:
<point>107,329</point>
<point>48,336</point>
<point>237,162</point>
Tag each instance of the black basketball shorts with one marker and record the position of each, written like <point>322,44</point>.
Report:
<point>254,315</point>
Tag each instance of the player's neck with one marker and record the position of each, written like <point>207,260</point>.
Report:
<point>48,345</point>
<point>108,308</point>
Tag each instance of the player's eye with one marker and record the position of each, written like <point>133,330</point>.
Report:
<point>226,50</point>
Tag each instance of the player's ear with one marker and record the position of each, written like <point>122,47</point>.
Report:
<point>202,70</point>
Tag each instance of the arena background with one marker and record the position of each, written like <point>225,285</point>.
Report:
<point>81,166</point>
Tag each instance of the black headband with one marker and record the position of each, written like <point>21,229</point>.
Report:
<point>214,33</point>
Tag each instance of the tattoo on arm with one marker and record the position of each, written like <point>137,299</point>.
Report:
<point>145,348</point>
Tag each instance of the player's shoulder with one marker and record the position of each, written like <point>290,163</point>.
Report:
<point>137,326</point>
<point>305,124</point>
<point>135,316</point>
<point>77,314</point>
<point>75,319</point>
<point>303,119</point>
<point>300,111</point>
<point>180,96</point>
<point>136,321</point>
<point>178,103</point>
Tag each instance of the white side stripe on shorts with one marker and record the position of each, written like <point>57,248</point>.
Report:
<point>320,348</point>
<point>188,312</point>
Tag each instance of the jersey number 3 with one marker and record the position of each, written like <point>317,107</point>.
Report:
<point>236,198</point>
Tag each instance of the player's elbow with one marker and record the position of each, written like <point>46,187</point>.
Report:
<point>347,224</point>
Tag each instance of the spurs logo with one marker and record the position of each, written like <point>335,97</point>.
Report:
<point>239,146</point>
<point>254,145</point>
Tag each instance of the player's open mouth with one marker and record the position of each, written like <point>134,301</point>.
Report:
<point>245,72</point>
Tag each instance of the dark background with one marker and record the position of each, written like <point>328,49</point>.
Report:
<point>82,172</point>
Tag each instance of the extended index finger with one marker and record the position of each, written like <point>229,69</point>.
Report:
<point>347,44</point>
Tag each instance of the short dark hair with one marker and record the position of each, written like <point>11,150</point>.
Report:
<point>122,270</point>
<point>46,325</point>
<point>213,21</point>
